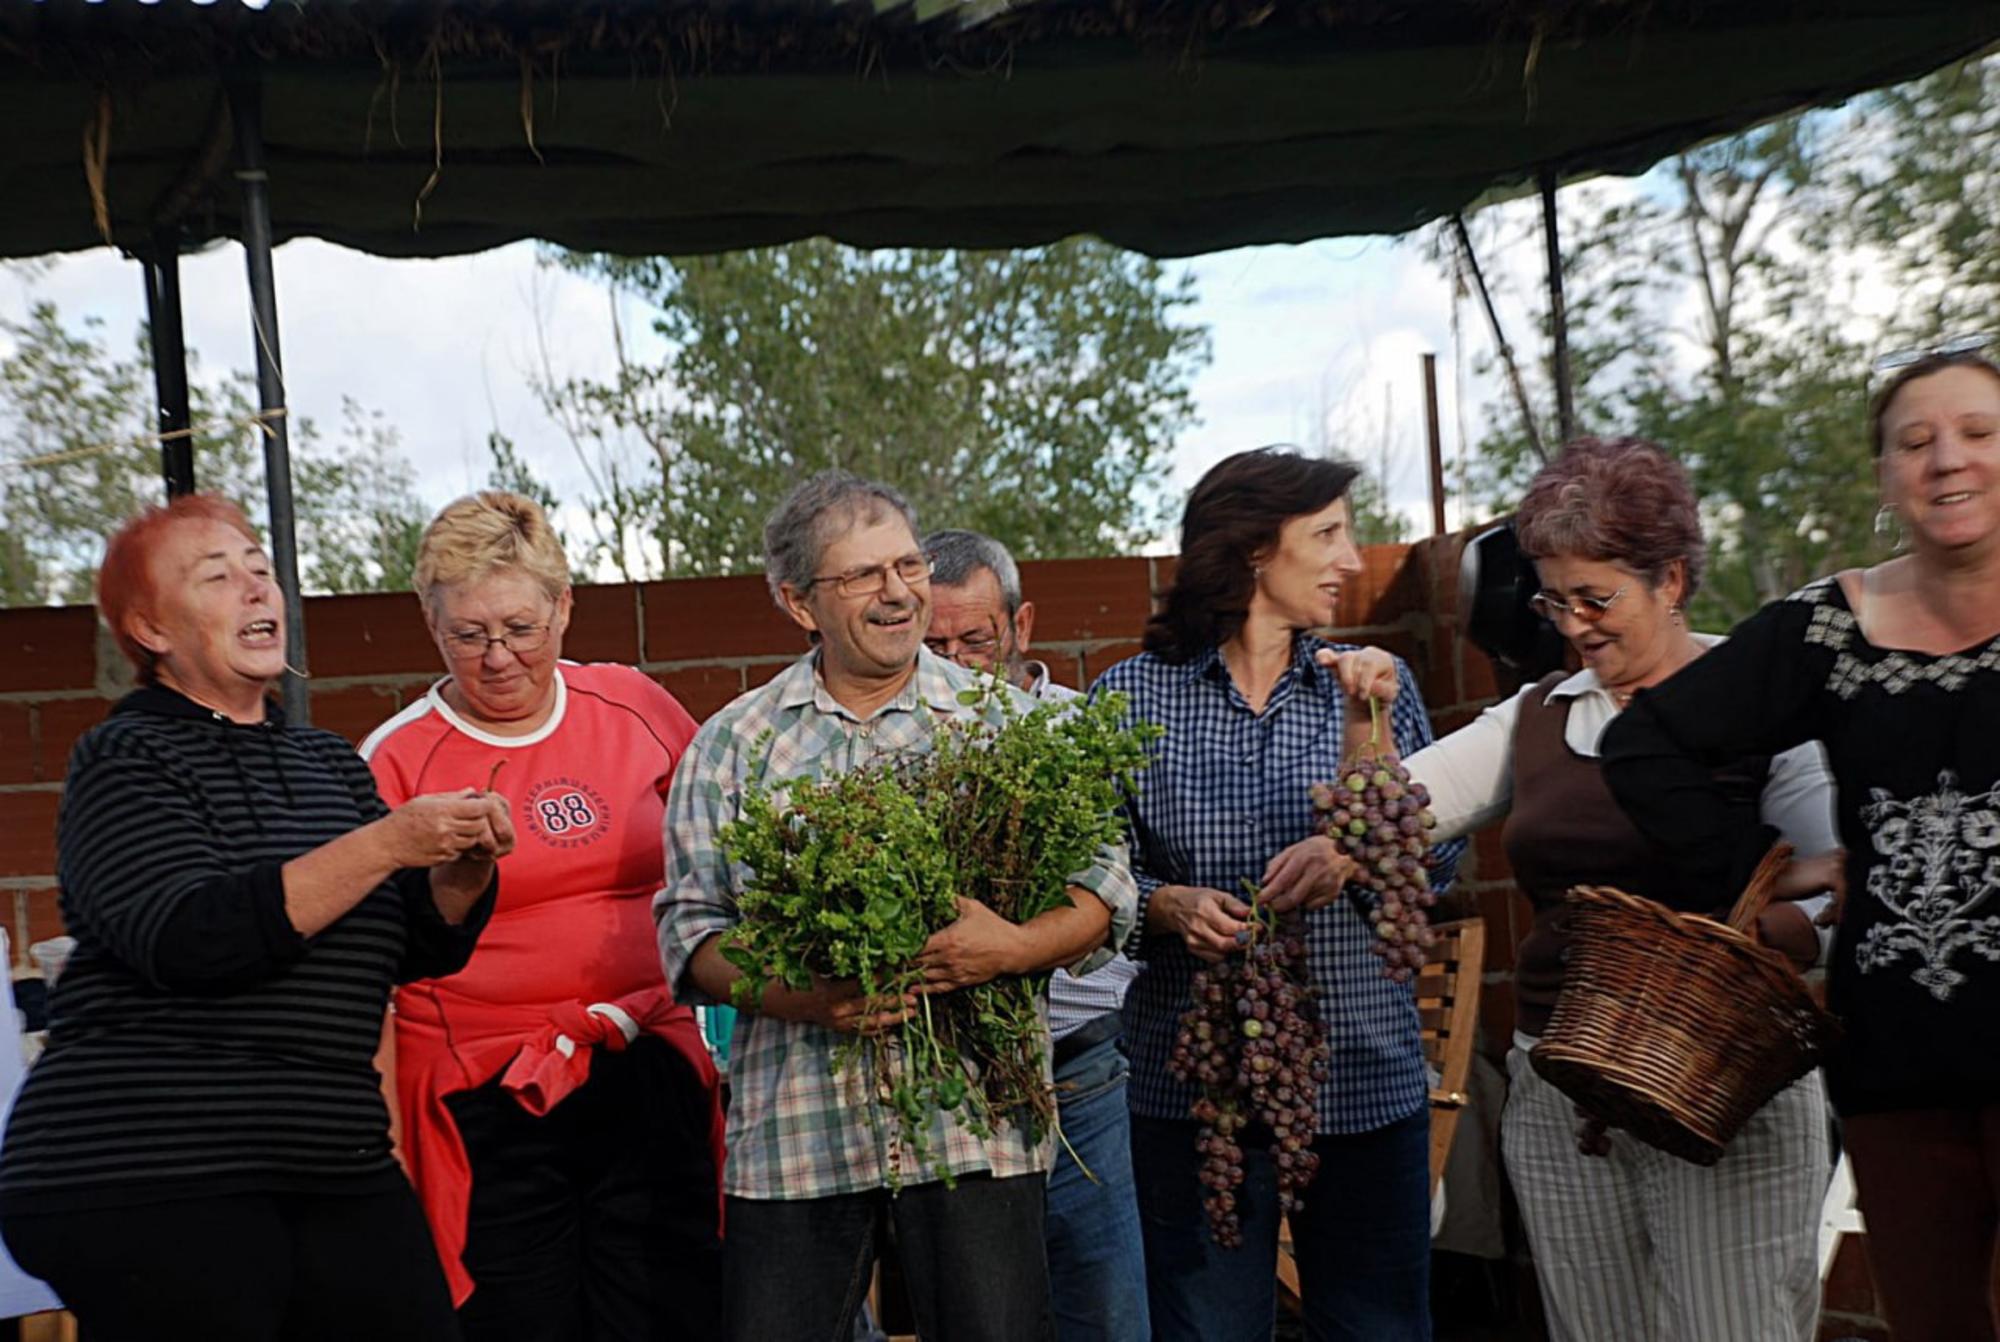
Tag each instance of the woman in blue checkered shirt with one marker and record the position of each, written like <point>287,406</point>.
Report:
<point>1252,721</point>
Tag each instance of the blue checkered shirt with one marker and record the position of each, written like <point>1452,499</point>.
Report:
<point>1228,790</point>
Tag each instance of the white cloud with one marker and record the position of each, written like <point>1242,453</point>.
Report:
<point>446,349</point>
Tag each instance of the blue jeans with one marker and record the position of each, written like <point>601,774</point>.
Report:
<point>1097,1262</point>
<point>796,1271</point>
<point>1362,1239</point>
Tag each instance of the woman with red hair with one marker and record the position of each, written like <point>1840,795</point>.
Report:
<point>202,1150</point>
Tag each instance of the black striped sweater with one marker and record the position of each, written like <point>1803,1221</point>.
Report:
<point>198,1045</point>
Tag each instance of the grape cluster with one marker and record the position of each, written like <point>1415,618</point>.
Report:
<point>1252,1041</point>
<point>1379,817</point>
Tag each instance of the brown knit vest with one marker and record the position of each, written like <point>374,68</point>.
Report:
<point>1566,829</point>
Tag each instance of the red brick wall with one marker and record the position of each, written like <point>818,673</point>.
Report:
<point>706,639</point>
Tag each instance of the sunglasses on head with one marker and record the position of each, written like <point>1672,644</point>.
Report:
<point>1955,348</point>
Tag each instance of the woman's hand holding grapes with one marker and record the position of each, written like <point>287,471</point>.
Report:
<point>1307,875</point>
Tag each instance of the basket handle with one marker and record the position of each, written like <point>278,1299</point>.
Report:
<point>1757,894</point>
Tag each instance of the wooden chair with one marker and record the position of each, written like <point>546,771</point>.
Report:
<point>54,1326</point>
<point>1448,1015</point>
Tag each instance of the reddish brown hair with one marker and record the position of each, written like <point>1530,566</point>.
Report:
<point>125,579</point>
<point>1617,501</point>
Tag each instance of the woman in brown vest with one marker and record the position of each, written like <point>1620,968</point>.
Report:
<point>1631,1243</point>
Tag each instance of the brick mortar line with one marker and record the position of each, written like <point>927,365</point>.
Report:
<point>24,885</point>
<point>24,788</point>
<point>719,663</point>
<point>29,698</point>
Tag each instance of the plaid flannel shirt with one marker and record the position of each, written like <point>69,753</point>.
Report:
<point>1226,792</point>
<point>797,1128</point>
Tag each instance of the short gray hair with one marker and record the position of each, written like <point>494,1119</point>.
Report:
<point>801,527</point>
<point>957,555</point>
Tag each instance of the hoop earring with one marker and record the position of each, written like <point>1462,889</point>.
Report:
<point>1889,528</point>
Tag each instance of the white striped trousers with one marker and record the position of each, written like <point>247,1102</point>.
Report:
<point>1641,1246</point>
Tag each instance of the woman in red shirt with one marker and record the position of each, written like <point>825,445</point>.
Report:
<point>559,1112</point>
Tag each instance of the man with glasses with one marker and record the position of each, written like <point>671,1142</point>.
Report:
<point>1097,1263</point>
<point>812,1156</point>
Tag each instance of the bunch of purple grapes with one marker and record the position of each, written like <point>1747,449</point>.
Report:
<point>1376,814</point>
<point>1252,1041</point>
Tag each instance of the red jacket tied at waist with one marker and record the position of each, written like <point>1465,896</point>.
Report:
<point>546,1054</point>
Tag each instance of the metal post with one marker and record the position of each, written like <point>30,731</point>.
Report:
<point>1558,313</point>
<point>1500,340</point>
<point>246,106</point>
<point>1434,439</point>
<point>169,342</point>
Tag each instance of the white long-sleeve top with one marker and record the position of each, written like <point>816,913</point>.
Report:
<point>1470,773</point>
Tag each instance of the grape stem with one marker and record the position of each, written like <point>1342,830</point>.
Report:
<point>1063,1137</point>
<point>1263,919</point>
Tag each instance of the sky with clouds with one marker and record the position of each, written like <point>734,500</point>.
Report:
<point>1329,330</point>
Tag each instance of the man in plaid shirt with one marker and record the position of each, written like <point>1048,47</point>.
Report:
<point>811,1154</point>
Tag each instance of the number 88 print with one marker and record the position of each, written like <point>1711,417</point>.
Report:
<point>565,812</point>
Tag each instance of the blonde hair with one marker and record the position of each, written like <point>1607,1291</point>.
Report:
<point>488,532</point>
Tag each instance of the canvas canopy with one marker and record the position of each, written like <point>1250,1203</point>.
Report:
<point>675,126</point>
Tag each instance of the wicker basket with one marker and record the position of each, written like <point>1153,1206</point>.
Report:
<point>1676,1027</point>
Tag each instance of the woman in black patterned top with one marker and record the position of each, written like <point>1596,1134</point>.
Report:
<point>1896,669</point>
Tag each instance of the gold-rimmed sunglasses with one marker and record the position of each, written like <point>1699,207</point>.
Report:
<point>1552,606</point>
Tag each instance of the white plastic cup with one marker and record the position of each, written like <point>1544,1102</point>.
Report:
<point>51,956</point>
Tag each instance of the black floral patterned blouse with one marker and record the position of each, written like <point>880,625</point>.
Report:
<point>1913,740</point>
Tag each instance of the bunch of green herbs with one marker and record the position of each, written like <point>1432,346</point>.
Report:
<point>853,873</point>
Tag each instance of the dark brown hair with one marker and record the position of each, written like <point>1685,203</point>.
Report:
<point>1878,405</point>
<point>1233,515</point>
<point>1618,501</point>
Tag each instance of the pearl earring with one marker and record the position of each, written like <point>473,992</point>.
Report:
<point>1889,527</point>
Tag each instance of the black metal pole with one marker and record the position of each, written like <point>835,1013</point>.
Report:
<point>1507,360</point>
<point>170,378</point>
<point>1558,312</point>
<point>246,106</point>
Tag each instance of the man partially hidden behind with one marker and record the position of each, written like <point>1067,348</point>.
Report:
<point>812,1151</point>
<point>1097,1264</point>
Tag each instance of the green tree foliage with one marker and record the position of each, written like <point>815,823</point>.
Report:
<point>1718,311</point>
<point>76,459</point>
<point>65,397</point>
<point>1376,520</point>
<point>1925,178</point>
<point>359,518</point>
<point>1032,395</point>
